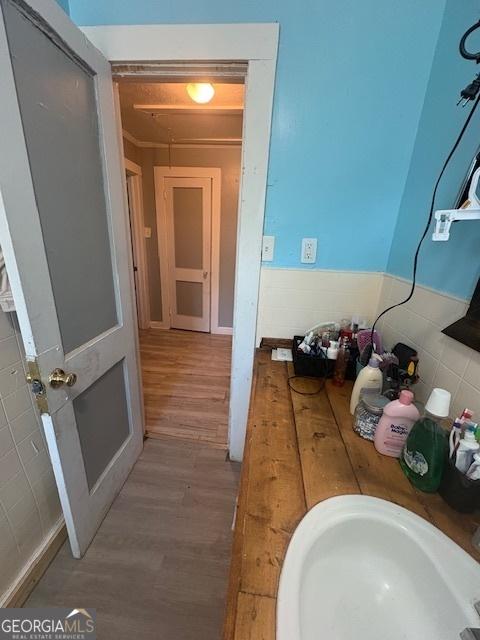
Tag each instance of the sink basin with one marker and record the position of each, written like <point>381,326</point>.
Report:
<point>361,568</point>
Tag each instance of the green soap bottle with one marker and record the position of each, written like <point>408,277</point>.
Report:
<point>425,451</point>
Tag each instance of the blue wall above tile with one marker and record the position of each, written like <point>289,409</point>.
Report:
<point>350,86</point>
<point>452,266</point>
<point>64,5</point>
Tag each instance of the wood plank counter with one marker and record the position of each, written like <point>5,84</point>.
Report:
<point>301,449</point>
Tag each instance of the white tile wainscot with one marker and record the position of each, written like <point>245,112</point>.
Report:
<point>30,510</point>
<point>293,300</point>
<point>443,362</point>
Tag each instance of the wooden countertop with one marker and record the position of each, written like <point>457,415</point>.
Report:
<point>301,450</point>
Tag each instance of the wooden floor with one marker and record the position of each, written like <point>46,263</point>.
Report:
<point>158,566</point>
<point>301,449</point>
<point>186,384</point>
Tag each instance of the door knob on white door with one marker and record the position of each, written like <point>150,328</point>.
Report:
<point>58,378</point>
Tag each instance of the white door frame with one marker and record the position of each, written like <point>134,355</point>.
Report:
<point>255,44</point>
<point>137,220</point>
<point>160,173</point>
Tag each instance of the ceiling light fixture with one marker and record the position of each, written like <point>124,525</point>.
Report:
<point>201,92</point>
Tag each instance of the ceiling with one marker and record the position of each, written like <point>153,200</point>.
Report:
<point>163,112</point>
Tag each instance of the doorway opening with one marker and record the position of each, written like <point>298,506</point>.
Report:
<point>182,162</point>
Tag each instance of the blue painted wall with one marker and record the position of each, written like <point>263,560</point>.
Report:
<point>351,82</point>
<point>452,266</point>
<point>64,5</point>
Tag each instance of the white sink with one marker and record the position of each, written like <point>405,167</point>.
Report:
<point>360,568</point>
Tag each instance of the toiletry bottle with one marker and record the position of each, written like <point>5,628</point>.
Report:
<point>395,424</point>
<point>341,362</point>
<point>425,450</point>
<point>473,472</point>
<point>332,350</point>
<point>370,377</point>
<point>467,447</point>
<point>456,431</point>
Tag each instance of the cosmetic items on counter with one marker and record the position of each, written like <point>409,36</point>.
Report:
<point>460,485</point>
<point>456,430</point>
<point>425,450</point>
<point>364,343</point>
<point>397,420</point>
<point>467,447</point>
<point>370,377</point>
<point>368,413</point>
<point>473,472</point>
<point>341,363</point>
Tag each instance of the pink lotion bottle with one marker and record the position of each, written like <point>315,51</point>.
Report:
<point>395,424</point>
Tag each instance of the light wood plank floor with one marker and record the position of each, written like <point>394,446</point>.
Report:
<point>186,384</point>
<point>157,568</point>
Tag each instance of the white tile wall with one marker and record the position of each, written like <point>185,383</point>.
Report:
<point>293,300</point>
<point>29,505</point>
<point>443,362</point>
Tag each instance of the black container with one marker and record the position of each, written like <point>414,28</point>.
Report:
<point>308,365</point>
<point>351,372</point>
<point>457,490</point>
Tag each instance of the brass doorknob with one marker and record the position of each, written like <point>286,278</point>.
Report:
<point>58,377</point>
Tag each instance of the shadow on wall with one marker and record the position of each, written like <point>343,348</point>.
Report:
<point>452,266</point>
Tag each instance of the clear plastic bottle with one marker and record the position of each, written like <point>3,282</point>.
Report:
<point>341,363</point>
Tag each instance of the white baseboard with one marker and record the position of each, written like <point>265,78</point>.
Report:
<point>158,324</point>
<point>227,331</point>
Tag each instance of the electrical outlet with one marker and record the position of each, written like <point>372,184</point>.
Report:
<point>268,248</point>
<point>309,250</point>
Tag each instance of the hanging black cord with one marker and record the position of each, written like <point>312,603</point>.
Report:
<point>430,215</point>
<point>463,52</point>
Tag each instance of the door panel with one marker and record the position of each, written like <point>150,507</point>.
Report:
<point>64,232</point>
<point>188,227</point>
<point>103,426</point>
<point>188,214</point>
<point>57,102</point>
<point>189,296</point>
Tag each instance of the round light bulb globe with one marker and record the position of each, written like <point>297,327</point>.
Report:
<point>200,92</point>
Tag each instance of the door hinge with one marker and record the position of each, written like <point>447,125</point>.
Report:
<point>164,194</point>
<point>34,379</point>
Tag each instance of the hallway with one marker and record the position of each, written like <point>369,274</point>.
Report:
<point>186,384</point>
<point>157,567</point>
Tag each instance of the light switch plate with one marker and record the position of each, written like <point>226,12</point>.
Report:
<point>268,248</point>
<point>309,250</point>
<point>147,232</point>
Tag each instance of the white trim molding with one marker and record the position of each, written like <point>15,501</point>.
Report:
<point>191,143</point>
<point>256,45</point>
<point>224,331</point>
<point>137,226</point>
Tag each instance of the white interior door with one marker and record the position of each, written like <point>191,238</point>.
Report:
<point>64,233</point>
<point>188,204</point>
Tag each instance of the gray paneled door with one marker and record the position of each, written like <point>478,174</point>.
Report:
<point>64,232</point>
